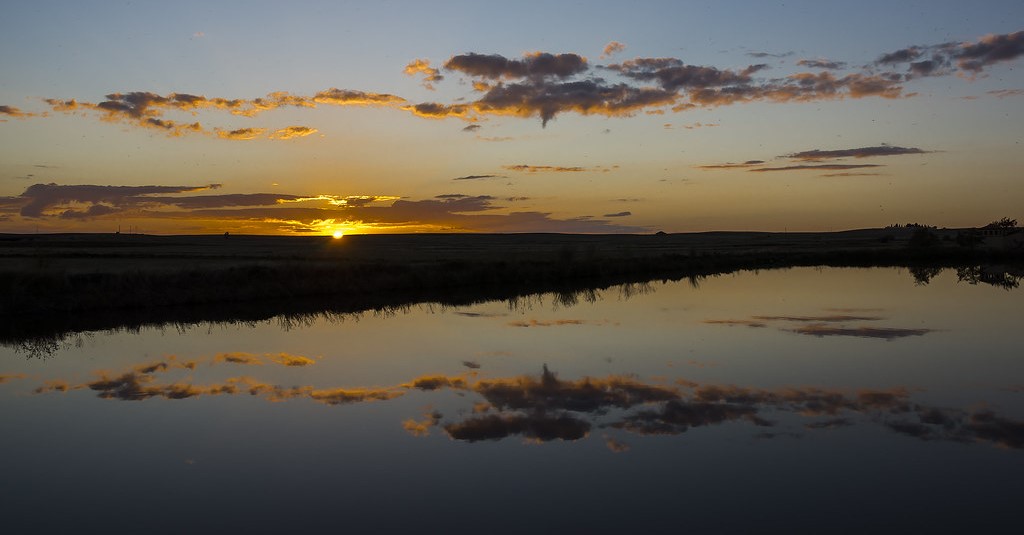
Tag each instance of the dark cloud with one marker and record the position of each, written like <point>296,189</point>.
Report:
<point>821,64</point>
<point>903,55</point>
<point>745,323</point>
<point>472,128</point>
<point>537,64</point>
<point>618,214</point>
<point>587,97</point>
<point>820,326</point>
<point>672,74</point>
<point>543,168</point>
<point>823,319</point>
<point>885,333</point>
<point>12,111</point>
<point>972,58</point>
<point>862,152</point>
<point>473,365</point>
<point>433,213</point>
<point>823,167</point>
<point>475,177</point>
<point>43,197</point>
<point>850,174</point>
<point>552,323</point>
<point>729,165</point>
<point>677,416</point>
<point>769,54</point>
<point>537,426</point>
<point>989,50</point>
<point>1003,93</point>
<point>434,110</point>
<point>243,134</point>
<point>543,85</point>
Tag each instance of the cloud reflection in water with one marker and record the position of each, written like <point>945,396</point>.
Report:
<point>543,408</point>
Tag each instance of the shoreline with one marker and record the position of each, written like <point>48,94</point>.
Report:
<point>72,283</point>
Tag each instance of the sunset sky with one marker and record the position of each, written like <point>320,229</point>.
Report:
<point>314,117</point>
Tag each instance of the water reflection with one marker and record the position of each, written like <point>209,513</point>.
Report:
<point>42,337</point>
<point>824,325</point>
<point>543,407</point>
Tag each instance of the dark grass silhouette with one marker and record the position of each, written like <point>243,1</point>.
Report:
<point>64,283</point>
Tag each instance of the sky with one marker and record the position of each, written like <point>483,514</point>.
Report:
<point>588,117</point>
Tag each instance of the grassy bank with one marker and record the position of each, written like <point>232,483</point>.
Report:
<point>77,282</point>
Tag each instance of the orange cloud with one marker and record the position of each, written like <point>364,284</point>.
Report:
<point>241,133</point>
<point>5,377</point>
<point>286,359</point>
<point>543,168</point>
<point>612,48</point>
<point>422,66</point>
<point>293,132</point>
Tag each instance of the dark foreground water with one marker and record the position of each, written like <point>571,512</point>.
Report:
<point>824,400</point>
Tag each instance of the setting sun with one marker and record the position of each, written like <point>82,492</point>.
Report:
<point>338,234</point>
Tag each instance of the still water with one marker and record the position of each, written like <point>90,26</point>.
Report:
<point>803,399</point>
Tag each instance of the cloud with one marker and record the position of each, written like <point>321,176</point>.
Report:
<point>618,214</point>
<point>293,132</point>
<point>614,445</point>
<point>543,168</point>
<point>989,50</point>
<point>476,177</point>
<point>471,364</point>
<point>422,428</point>
<point>819,326</point>
<point>286,359</point>
<point>769,54</point>
<point>542,84</point>
<point>238,358</point>
<point>823,319</point>
<point>471,128</point>
<point>1003,93</point>
<point>612,48</point>
<point>7,377</point>
<point>434,110</point>
<point>748,163</point>
<point>241,133</point>
<point>745,323</point>
<point>41,198</point>
<point>12,111</point>
<point>422,66</point>
<point>672,74</point>
<point>970,58</point>
<point>546,99</point>
<point>823,167</point>
<point>548,323</point>
<point>821,64</point>
<point>435,382</point>
<point>296,214</point>
<point>535,65</point>
<point>851,174</point>
<point>860,332</point>
<point>544,408</point>
<point>537,426</point>
<point>862,152</point>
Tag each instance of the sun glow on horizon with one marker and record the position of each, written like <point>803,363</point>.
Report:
<point>338,234</point>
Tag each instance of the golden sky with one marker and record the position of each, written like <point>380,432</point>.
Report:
<point>674,116</point>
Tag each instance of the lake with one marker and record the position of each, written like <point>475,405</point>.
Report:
<point>804,399</point>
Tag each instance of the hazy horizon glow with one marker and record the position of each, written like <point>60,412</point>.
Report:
<point>383,118</point>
